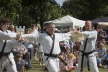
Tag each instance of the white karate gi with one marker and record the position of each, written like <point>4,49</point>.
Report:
<point>8,62</point>
<point>90,46</point>
<point>46,41</point>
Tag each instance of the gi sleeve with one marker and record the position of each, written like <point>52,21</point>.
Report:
<point>33,36</point>
<point>7,36</point>
<point>90,34</point>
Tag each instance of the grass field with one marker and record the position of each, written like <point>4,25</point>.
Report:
<point>38,68</point>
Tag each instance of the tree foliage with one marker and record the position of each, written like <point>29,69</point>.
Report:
<point>45,10</point>
<point>86,9</point>
<point>26,12</point>
<point>10,8</point>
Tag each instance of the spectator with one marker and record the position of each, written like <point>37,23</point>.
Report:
<point>70,62</point>
<point>20,63</point>
<point>105,60</point>
<point>101,50</point>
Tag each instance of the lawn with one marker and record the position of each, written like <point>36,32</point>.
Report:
<point>38,68</point>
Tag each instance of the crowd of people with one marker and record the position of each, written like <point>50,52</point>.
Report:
<point>58,52</point>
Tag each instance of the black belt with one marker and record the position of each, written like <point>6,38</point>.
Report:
<point>55,56</point>
<point>4,54</point>
<point>87,55</point>
<point>51,55</point>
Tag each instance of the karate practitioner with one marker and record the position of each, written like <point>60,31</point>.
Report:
<point>49,42</point>
<point>87,50</point>
<point>7,42</point>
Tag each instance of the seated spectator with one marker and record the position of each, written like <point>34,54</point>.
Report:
<point>70,59</point>
<point>101,35</point>
<point>70,62</point>
<point>101,50</point>
<point>19,49</point>
<point>103,41</point>
<point>19,52</point>
<point>105,60</point>
<point>20,63</point>
<point>62,46</point>
<point>76,46</point>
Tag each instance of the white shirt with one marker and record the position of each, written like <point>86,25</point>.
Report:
<point>46,41</point>
<point>91,42</point>
<point>10,40</point>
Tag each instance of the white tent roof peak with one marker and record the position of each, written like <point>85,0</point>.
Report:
<point>68,20</point>
<point>65,19</point>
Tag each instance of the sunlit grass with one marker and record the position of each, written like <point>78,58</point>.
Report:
<point>38,68</point>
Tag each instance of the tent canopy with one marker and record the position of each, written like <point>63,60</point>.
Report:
<point>104,19</point>
<point>101,21</point>
<point>68,21</point>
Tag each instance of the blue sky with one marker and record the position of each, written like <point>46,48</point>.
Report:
<point>60,2</point>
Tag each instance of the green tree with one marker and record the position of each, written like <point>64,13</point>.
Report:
<point>10,8</point>
<point>43,10</point>
<point>86,9</point>
<point>26,12</point>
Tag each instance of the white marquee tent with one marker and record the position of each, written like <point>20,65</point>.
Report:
<point>68,21</point>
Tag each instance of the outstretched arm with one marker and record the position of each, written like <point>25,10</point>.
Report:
<point>34,35</point>
<point>7,36</point>
<point>90,34</point>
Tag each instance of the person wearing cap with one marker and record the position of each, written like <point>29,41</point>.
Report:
<point>49,44</point>
<point>87,49</point>
<point>7,42</point>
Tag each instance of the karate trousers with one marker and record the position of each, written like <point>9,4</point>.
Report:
<point>92,63</point>
<point>8,63</point>
<point>52,64</point>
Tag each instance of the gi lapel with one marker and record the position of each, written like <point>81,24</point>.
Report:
<point>53,38</point>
